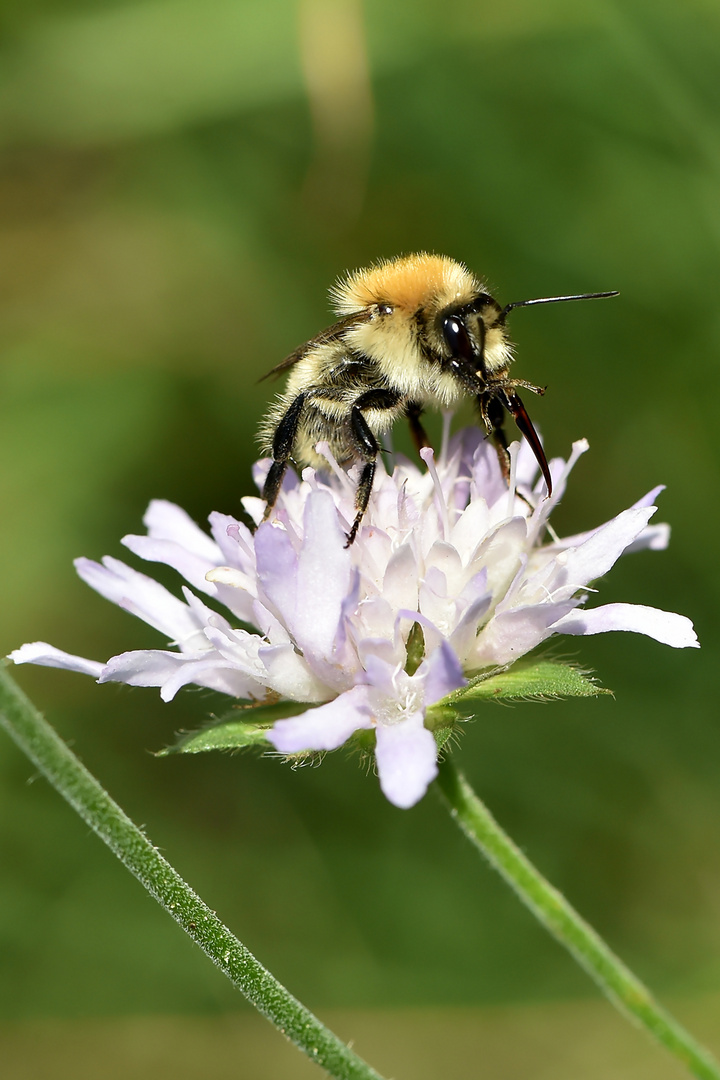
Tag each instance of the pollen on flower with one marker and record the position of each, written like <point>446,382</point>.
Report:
<point>393,710</point>
<point>449,551</point>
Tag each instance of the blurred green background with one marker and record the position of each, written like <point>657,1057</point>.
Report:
<point>180,182</point>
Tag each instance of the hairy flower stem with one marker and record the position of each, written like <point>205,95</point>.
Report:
<point>69,776</point>
<point>556,914</point>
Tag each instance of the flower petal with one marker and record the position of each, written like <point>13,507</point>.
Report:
<point>289,675</point>
<point>464,635</point>
<point>194,568</point>
<point>171,671</point>
<point>139,595</point>
<point>324,576</point>
<point>39,652</point>
<point>444,674</point>
<point>406,755</point>
<point>663,626</point>
<point>166,521</point>
<point>652,538</point>
<point>513,633</point>
<point>325,727</point>
<point>593,558</point>
<point>384,677</point>
<point>400,582</point>
<point>277,570</point>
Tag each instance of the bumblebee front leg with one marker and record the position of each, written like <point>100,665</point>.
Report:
<point>367,448</point>
<point>492,408</point>
<point>493,415</point>
<point>282,448</point>
<point>519,413</point>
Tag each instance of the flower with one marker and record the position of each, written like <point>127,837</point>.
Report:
<point>452,551</point>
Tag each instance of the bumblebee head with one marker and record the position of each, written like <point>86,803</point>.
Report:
<point>423,308</point>
<point>475,332</point>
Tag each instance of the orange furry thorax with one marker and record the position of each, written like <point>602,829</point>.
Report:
<point>409,283</point>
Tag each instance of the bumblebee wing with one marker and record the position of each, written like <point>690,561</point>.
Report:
<point>288,361</point>
<point>332,333</point>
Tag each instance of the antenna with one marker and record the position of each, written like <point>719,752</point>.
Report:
<point>553,300</point>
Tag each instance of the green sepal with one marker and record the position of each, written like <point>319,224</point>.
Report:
<point>415,648</point>
<point>440,716</point>
<point>442,734</point>
<point>239,729</point>
<point>526,680</point>
<point>363,740</point>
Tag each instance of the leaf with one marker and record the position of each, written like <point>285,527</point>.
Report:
<point>238,730</point>
<point>534,680</point>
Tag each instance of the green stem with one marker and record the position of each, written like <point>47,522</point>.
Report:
<point>70,777</point>
<point>554,912</point>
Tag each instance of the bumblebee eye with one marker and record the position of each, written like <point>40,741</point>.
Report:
<point>457,338</point>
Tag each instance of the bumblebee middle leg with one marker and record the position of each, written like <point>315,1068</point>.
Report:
<point>366,446</point>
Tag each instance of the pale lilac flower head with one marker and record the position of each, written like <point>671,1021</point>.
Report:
<point>306,619</point>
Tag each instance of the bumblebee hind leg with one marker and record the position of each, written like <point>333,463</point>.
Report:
<point>362,498</point>
<point>282,448</point>
<point>366,447</point>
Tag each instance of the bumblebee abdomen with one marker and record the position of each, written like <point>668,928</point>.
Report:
<point>329,420</point>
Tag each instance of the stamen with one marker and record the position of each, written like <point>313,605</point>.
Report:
<point>553,535</point>
<point>309,477</point>
<point>513,452</point>
<point>544,508</point>
<point>233,531</point>
<point>227,575</point>
<point>428,455</point>
<point>578,449</point>
<point>323,448</point>
<point>447,420</point>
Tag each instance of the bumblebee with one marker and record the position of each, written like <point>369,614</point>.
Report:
<point>413,331</point>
